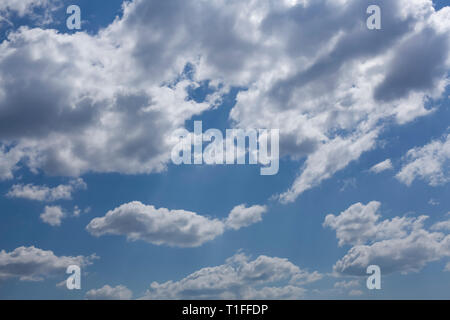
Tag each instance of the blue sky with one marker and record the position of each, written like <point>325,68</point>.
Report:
<point>154,44</point>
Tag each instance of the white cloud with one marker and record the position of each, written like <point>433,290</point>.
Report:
<point>238,278</point>
<point>327,160</point>
<point>22,7</point>
<point>176,228</point>
<point>441,225</point>
<point>433,202</point>
<point>401,244</point>
<point>34,264</point>
<point>355,293</point>
<point>53,215</point>
<point>119,292</point>
<point>8,162</point>
<point>430,163</point>
<point>360,224</point>
<point>44,193</point>
<point>241,216</point>
<point>158,226</point>
<point>404,255</point>
<point>382,166</point>
<point>346,284</point>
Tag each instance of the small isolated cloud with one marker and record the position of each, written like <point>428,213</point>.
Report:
<point>175,228</point>
<point>382,166</point>
<point>77,211</point>
<point>430,163</point>
<point>346,284</point>
<point>401,244</point>
<point>447,267</point>
<point>241,216</point>
<point>53,215</point>
<point>119,292</point>
<point>239,278</point>
<point>34,264</point>
<point>355,293</point>
<point>433,202</point>
<point>44,193</point>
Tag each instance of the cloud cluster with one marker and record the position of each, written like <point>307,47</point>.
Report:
<point>430,163</point>
<point>44,193</point>
<point>401,244</point>
<point>239,278</point>
<point>107,292</point>
<point>34,264</point>
<point>22,7</point>
<point>176,228</point>
<point>329,95</point>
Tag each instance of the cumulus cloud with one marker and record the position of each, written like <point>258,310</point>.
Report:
<point>34,264</point>
<point>22,7</point>
<point>8,162</point>
<point>327,160</point>
<point>442,225</point>
<point>241,216</point>
<point>107,292</point>
<point>176,228</point>
<point>239,278</point>
<point>360,224</point>
<point>382,166</point>
<point>44,193</point>
<point>430,163</point>
<point>53,215</point>
<point>401,244</point>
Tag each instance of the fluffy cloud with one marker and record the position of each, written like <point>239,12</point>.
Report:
<point>8,162</point>
<point>44,193</point>
<point>53,215</point>
<point>22,7</point>
<point>442,225</point>
<point>331,95</point>
<point>346,284</point>
<point>327,160</point>
<point>241,216</point>
<point>382,166</point>
<point>401,244</point>
<point>238,278</point>
<point>176,228</point>
<point>119,292</point>
<point>66,125</point>
<point>359,224</point>
<point>430,163</point>
<point>34,264</point>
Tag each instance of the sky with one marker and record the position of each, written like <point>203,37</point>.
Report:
<point>87,119</point>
